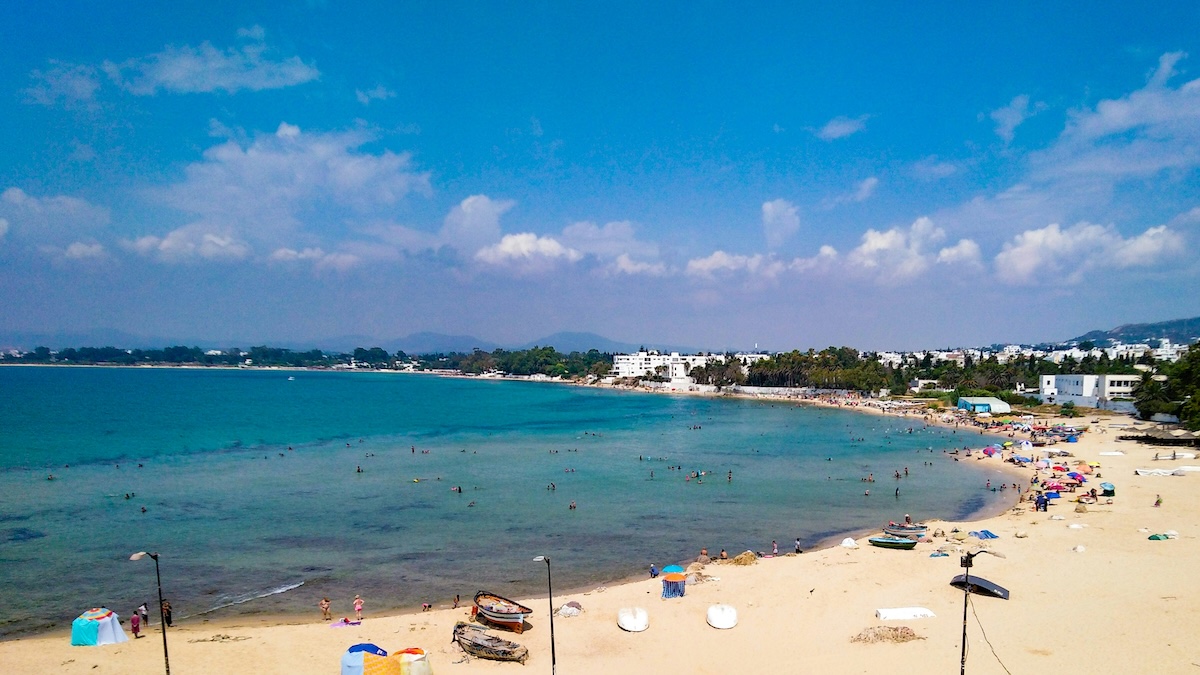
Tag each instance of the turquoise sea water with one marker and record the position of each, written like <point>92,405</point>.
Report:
<point>253,499</point>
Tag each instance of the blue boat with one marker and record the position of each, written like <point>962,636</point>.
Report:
<point>893,542</point>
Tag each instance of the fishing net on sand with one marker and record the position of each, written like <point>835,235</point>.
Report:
<point>887,634</point>
<point>746,558</point>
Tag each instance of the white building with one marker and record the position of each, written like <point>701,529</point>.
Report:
<point>675,366</point>
<point>1087,390</point>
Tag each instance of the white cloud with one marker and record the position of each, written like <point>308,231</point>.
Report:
<point>340,261</point>
<point>1053,254</point>
<point>965,252</point>
<point>191,242</point>
<point>931,168</point>
<point>822,261</point>
<point>720,262</point>
<point>277,186</point>
<point>68,83</point>
<point>526,249</point>
<point>474,223</point>
<point>379,93</point>
<point>841,127</point>
<point>1154,128</point>
<point>187,69</point>
<point>780,221</point>
<point>865,189</point>
<point>899,255</point>
<point>625,265</point>
<point>82,250</point>
<point>1011,116</point>
<point>55,221</point>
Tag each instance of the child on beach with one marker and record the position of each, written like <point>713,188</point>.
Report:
<point>358,605</point>
<point>324,605</point>
<point>1157,501</point>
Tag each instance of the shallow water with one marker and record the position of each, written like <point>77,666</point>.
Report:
<point>246,525</point>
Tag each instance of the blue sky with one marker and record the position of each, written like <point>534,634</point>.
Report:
<point>791,176</point>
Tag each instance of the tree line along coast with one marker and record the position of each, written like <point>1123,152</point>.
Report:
<point>1165,387</point>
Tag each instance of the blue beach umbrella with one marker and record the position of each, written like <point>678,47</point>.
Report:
<point>672,569</point>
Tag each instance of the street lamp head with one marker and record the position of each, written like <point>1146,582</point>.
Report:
<point>542,558</point>
<point>142,554</point>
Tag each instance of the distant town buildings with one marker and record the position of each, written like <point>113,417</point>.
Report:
<point>674,366</point>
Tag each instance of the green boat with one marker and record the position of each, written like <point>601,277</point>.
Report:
<point>893,542</point>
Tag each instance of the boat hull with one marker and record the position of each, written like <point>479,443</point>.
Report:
<point>905,532</point>
<point>898,543</point>
<point>478,643</point>
<point>500,611</point>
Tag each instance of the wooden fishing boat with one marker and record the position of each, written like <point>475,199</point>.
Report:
<point>500,611</point>
<point>905,531</point>
<point>893,542</point>
<point>476,642</point>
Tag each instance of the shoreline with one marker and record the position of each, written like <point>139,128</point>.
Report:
<point>799,610</point>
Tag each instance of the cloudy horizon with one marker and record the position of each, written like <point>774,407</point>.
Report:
<point>789,178</point>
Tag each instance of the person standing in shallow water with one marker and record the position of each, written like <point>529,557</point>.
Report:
<point>324,605</point>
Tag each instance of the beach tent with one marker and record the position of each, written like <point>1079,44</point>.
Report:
<point>368,659</point>
<point>674,585</point>
<point>97,626</point>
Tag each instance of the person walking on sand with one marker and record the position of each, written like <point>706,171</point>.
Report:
<point>774,548</point>
<point>145,614</point>
<point>358,605</point>
<point>324,605</point>
<point>166,610</point>
<point>1157,501</point>
<point>135,625</point>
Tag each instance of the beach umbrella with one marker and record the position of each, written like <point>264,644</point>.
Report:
<point>1007,443</point>
<point>1077,476</point>
<point>1059,467</point>
<point>1094,464</point>
<point>989,451</point>
<point>672,569</point>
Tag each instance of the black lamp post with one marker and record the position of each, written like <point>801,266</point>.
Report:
<point>161,611</point>
<point>550,590</point>
<point>968,586</point>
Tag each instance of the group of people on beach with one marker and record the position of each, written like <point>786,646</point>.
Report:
<point>327,614</point>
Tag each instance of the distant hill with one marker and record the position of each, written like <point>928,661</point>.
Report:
<point>567,342</point>
<point>1183,331</point>
<point>432,343</point>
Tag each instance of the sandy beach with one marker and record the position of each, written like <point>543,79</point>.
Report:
<point>1088,590</point>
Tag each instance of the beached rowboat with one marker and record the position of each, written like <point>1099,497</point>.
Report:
<point>476,642</point>
<point>893,542</point>
<point>905,531</point>
<point>501,611</point>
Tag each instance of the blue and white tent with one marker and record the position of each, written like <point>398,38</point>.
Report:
<point>97,626</point>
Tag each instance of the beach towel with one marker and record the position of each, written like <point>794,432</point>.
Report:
<point>343,623</point>
<point>988,534</point>
<point>903,613</point>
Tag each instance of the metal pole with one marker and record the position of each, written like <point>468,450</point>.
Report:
<point>550,589</point>
<point>966,563</point>
<point>162,613</point>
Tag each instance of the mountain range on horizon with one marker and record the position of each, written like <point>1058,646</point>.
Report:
<point>1183,331</point>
